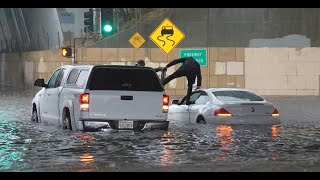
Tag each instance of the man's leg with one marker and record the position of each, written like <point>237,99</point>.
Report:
<point>191,80</point>
<point>188,94</point>
<point>178,73</point>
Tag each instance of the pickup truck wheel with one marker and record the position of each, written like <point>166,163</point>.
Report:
<point>34,116</point>
<point>67,123</point>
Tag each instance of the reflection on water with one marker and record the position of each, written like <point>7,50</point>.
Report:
<point>229,138</point>
<point>86,157</point>
<point>27,146</point>
<point>224,133</point>
<point>166,158</point>
<point>10,155</point>
<point>275,131</point>
<point>11,144</point>
<point>85,137</point>
<point>225,140</point>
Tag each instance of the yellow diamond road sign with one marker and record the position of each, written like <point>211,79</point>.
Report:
<point>136,40</point>
<point>167,36</point>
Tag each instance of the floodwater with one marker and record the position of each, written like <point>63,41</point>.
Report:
<point>292,146</point>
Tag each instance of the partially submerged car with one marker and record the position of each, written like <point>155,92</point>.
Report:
<point>224,106</point>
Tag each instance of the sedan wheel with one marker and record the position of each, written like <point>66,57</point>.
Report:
<point>201,120</point>
<point>67,123</point>
<point>34,116</point>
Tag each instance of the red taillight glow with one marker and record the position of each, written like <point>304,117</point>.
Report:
<point>165,103</point>
<point>165,100</point>
<point>84,102</point>
<point>222,112</point>
<point>275,113</point>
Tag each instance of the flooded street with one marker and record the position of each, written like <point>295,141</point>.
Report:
<point>292,146</point>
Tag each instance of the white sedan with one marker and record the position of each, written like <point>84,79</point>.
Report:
<point>224,106</point>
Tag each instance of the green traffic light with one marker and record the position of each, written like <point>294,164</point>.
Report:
<point>107,28</point>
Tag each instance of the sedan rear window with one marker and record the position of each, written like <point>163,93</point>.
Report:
<point>125,79</point>
<point>236,96</point>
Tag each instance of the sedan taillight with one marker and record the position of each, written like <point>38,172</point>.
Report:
<point>84,102</point>
<point>165,103</point>
<point>222,112</point>
<point>275,113</point>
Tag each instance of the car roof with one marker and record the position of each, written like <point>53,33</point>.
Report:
<point>226,89</point>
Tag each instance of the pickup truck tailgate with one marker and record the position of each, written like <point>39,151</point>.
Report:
<point>133,105</point>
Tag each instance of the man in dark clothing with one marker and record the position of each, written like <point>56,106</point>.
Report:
<point>140,63</point>
<point>190,68</point>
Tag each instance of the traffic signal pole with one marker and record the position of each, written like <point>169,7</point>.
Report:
<point>89,27</point>
<point>74,49</point>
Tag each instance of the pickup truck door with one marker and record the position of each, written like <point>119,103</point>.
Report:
<point>51,96</point>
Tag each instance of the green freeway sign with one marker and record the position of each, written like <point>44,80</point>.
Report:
<point>198,54</point>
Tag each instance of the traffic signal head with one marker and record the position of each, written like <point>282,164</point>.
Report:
<point>107,21</point>
<point>66,52</point>
<point>88,20</point>
<point>107,28</point>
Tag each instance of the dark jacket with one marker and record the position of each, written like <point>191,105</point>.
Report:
<point>190,66</point>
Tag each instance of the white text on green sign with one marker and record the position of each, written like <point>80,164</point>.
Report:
<point>199,55</point>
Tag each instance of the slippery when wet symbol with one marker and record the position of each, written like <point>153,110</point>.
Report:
<point>167,36</point>
<point>166,30</point>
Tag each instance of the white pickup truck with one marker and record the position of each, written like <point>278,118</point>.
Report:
<point>87,97</point>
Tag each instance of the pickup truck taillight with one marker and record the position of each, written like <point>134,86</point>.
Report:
<point>84,102</point>
<point>165,103</point>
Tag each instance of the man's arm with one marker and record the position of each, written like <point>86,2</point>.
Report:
<point>176,61</point>
<point>157,69</point>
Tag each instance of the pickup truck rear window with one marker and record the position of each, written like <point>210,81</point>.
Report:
<point>125,79</point>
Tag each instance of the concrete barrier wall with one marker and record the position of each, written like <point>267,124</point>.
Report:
<point>268,71</point>
<point>21,69</point>
<point>283,71</point>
